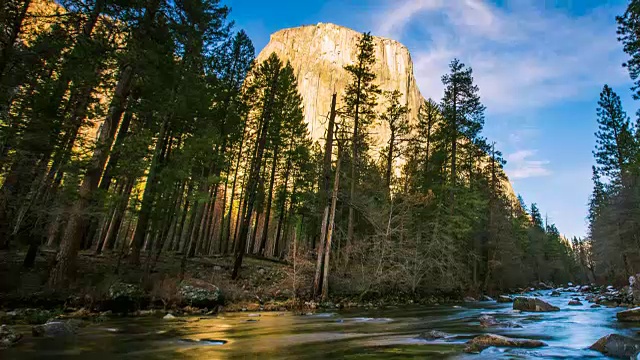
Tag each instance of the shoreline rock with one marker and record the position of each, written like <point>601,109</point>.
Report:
<point>8,337</point>
<point>631,315</point>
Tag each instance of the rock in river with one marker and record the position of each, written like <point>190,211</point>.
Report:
<point>55,328</point>
<point>8,337</point>
<point>533,304</point>
<point>504,299</point>
<point>575,302</point>
<point>481,342</point>
<point>490,321</point>
<point>433,335</point>
<point>629,315</point>
<point>617,346</point>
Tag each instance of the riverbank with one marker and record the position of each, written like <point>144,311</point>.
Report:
<point>201,285</point>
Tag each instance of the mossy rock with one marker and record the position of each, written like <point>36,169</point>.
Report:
<point>123,297</point>
<point>201,294</point>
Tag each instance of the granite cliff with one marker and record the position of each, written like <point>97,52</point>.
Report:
<point>318,54</point>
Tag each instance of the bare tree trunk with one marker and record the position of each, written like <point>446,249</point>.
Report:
<point>328,149</point>
<point>332,218</point>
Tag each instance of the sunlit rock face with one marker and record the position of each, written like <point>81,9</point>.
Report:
<point>318,54</point>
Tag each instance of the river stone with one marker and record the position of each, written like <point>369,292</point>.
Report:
<point>169,317</point>
<point>555,293</point>
<point>8,337</point>
<point>433,335</point>
<point>617,346</point>
<point>629,315</point>
<point>575,302</point>
<point>55,328</point>
<point>504,299</point>
<point>533,304</point>
<point>200,293</point>
<point>481,342</point>
<point>469,299</point>
<point>485,298</point>
<point>490,321</point>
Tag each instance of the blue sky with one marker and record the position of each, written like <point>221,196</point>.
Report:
<point>540,66</point>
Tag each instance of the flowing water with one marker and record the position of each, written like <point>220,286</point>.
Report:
<point>349,334</point>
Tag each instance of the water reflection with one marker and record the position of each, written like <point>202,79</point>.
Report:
<point>390,333</point>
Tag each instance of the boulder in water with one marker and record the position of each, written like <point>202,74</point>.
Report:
<point>169,317</point>
<point>533,305</point>
<point>433,335</point>
<point>490,321</point>
<point>575,302</point>
<point>481,342</point>
<point>485,298</point>
<point>630,315</point>
<point>617,346</point>
<point>555,293</point>
<point>504,299</point>
<point>469,299</point>
<point>595,306</point>
<point>8,337</point>
<point>55,329</point>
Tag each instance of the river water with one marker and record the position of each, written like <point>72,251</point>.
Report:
<point>390,333</point>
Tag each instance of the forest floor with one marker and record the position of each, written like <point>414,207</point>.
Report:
<point>263,285</point>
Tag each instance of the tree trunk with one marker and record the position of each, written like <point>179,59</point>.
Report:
<point>328,149</point>
<point>253,177</point>
<point>267,214</point>
<point>66,257</point>
<point>332,217</point>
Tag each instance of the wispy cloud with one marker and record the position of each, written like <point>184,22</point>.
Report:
<point>521,166</point>
<point>524,55</point>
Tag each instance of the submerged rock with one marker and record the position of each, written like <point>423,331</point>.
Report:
<point>533,304</point>
<point>617,346</point>
<point>433,335</point>
<point>575,302</point>
<point>481,342</point>
<point>485,298</point>
<point>629,315</point>
<point>55,328</point>
<point>595,306</point>
<point>555,293</point>
<point>490,321</point>
<point>8,337</point>
<point>504,299</point>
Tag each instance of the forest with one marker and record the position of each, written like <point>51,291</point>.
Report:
<point>143,131</point>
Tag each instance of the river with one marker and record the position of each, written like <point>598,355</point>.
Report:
<point>390,333</point>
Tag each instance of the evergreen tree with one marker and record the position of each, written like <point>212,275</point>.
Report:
<point>360,99</point>
<point>462,114</point>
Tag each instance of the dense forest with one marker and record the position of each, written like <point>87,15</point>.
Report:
<point>614,205</point>
<point>143,129</point>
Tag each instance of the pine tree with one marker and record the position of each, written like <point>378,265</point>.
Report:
<point>615,144</point>
<point>396,119</point>
<point>462,114</point>
<point>360,99</point>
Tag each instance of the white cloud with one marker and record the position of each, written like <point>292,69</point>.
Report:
<point>524,56</point>
<point>521,166</point>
